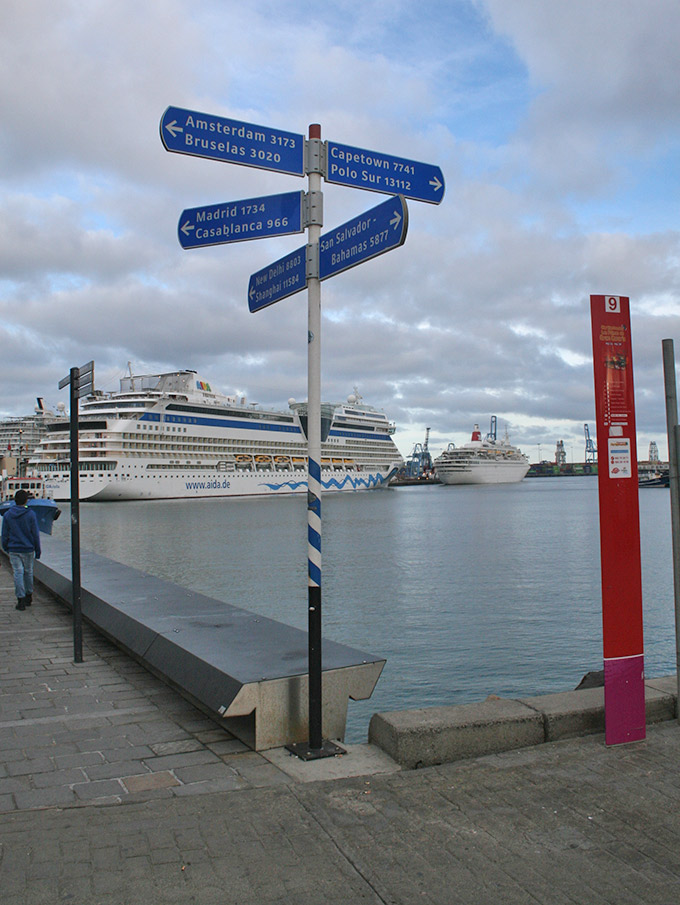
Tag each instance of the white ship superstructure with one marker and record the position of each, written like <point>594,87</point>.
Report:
<point>170,436</point>
<point>482,461</point>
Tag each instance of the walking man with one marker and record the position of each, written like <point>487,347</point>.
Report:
<point>21,542</point>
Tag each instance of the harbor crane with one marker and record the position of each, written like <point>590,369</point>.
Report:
<point>420,460</point>
<point>591,452</point>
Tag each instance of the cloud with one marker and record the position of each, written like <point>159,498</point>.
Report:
<point>603,77</point>
<point>556,126</point>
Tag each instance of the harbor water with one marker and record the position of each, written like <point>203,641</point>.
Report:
<point>466,591</point>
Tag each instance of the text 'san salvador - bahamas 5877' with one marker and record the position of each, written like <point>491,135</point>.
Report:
<point>169,436</point>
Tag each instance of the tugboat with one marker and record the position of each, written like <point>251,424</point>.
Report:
<point>46,510</point>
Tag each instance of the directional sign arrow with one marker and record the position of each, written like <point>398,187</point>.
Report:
<point>232,141</point>
<point>237,221</point>
<point>378,230</point>
<point>173,128</point>
<point>379,172</point>
<point>279,280</point>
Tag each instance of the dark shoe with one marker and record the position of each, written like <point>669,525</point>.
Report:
<point>21,605</point>
<point>28,599</point>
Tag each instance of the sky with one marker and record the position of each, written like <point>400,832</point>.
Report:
<point>556,126</point>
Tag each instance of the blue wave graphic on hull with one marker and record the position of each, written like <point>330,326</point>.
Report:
<point>371,481</point>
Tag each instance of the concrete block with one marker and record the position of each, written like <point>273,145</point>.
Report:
<point>437,735</point>
<point>574,713</point>
<point>569,714</point>
<point>667,684</point>
<point>661,699</point>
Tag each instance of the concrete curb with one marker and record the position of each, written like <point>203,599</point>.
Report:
<point>439,735</point>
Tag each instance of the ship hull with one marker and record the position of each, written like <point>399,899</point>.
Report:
<point>184,485</point>
<point>487,473</point>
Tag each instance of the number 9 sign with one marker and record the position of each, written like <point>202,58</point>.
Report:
<point>612,304</point>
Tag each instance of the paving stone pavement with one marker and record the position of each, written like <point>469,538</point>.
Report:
<point>114,791</point>
<point>102,731</point>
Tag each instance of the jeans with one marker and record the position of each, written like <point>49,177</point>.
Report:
<point>22,566</point>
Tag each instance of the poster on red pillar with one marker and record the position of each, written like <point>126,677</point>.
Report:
<point>624,692</point>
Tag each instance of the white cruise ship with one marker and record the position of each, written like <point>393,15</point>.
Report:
<point>20,436</point>
<point>482,461</point>
<point>170,436</point>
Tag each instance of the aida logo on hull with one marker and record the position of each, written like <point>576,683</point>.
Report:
<point>201,385</point>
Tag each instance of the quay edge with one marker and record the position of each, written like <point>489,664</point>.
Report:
<point>430,736</point>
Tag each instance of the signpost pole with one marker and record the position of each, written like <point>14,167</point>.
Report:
<point>75,518</point>
<point>80,382</point>
<point>314,474</point>
<point>674,482</point>
<point>315,747</point>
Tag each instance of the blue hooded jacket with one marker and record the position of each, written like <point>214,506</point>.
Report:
<point>20,533</point>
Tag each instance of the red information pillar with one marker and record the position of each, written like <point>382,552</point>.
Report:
<point>624,691</point>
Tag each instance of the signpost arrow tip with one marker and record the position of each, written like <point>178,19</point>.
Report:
<point>173,128</point>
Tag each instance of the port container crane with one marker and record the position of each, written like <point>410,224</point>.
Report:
<point>420,460</point>
<point>591,452</point>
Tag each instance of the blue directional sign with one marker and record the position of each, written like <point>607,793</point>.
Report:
<point>232,141</point>
<point>237,221</point>
<point>282,278</point>
<point>366,236</point>
<point>378,172</point>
